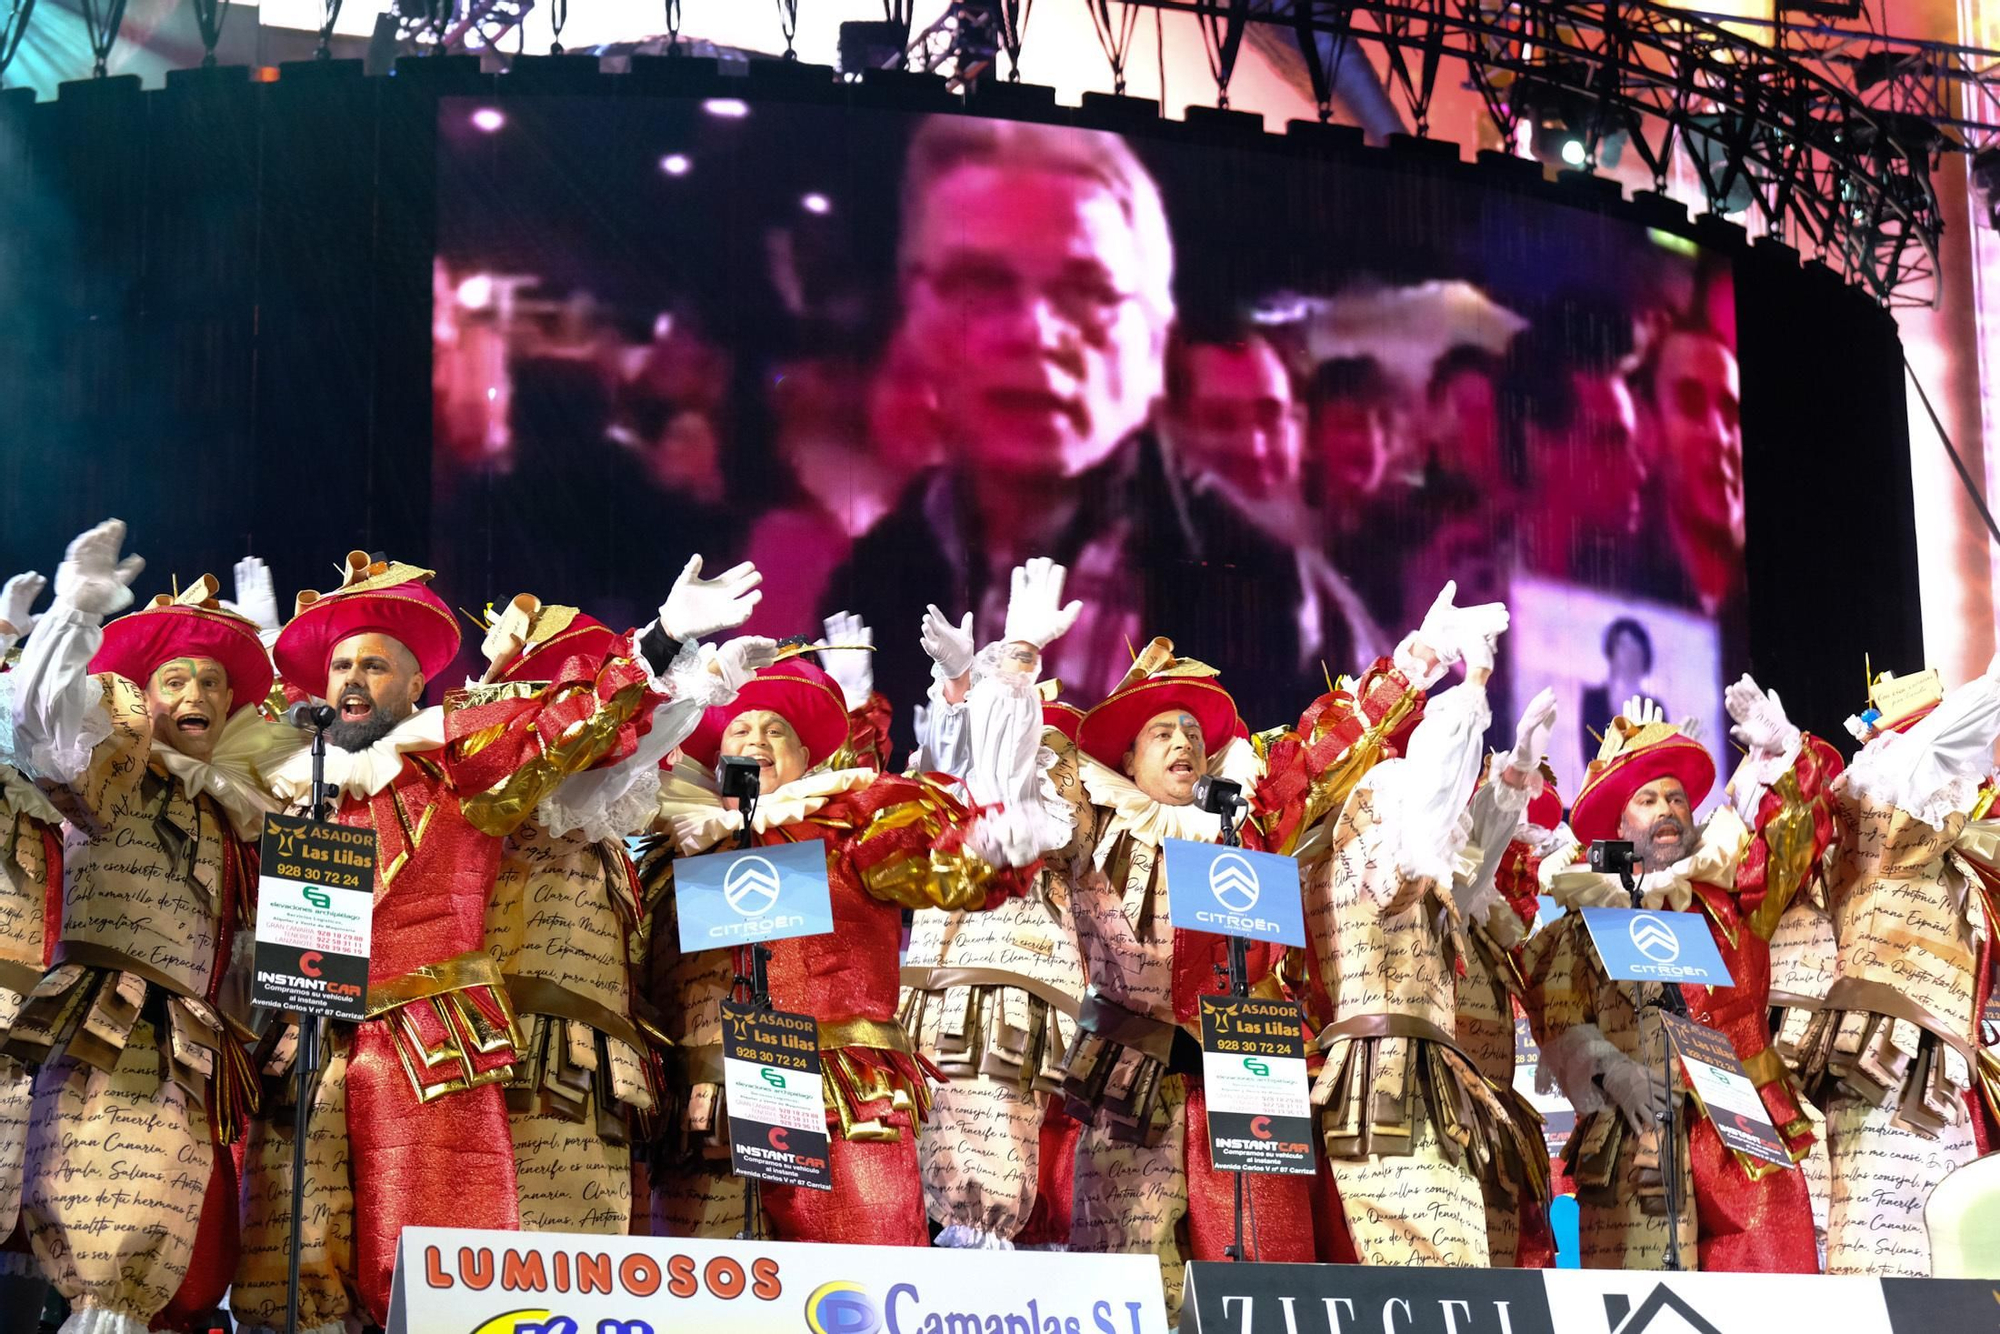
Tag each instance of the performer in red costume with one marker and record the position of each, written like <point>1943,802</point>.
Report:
<point>892,843</point>
<point>1740,870</point>
<point>135,730</point>
<point>409,1125</point>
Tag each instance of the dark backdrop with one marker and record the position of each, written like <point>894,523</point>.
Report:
<point>216,325</point>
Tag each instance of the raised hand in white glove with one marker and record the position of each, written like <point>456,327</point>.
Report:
<point>1635,1091</point>
<point>737,660</point>
<point>1465,634</point>
<point>1761,724</point>
<point>91,577</point>
<point>1531,733</point>
<point>15,599</point>
<point>851,667</point>
<point>255,597</point>
<point>1641,712</point>
<point>949,646</point>
<point>1036,613</point>
<point>696,606</point>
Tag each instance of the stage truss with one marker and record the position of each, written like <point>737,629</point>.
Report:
<point>1768,135</point>
<point>1820,135</point>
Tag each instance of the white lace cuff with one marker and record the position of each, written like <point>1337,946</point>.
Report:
<point>1412,667</point>
<point>1421,798</point>
<point>1937,766</point>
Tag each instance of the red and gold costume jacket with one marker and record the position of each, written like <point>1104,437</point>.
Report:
<point>892,843</point>
<point>427,1128</point>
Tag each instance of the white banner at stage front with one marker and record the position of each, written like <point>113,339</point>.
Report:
<point>1360,1299</point>
<point>460,1281</point>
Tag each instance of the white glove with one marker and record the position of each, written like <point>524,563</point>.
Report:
<point>697,606</point>
<point>1641,711</point>
<point>1531,734</point>
<point>15,599</point>
<point>255,597</point>
<point>1479,650</point>
<point>1761,724</point>
<point>1634,1090</point>
<point>949,646</point>
<point>852,668</point>
<point>737,660</point>
<point>1465,634</point>
<point>1036,613</point>
<point>92,578</point>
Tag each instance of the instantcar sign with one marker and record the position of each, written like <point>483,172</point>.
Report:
<point>315,909</point>
<point>457,1281</point>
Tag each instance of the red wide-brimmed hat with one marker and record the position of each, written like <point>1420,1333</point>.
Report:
<point>191,625</point>
<point>549,636</point>
<point>796,691</point>
<point>378,597</point>
<point>1633,756</point>
<point>1157,682</point>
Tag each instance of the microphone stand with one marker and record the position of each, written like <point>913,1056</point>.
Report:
<point>305,1068</point>
<point>1239,986</point>
<point>1669,1000</point>
<point>747,787</point>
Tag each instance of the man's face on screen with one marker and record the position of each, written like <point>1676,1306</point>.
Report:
<point>1024,296</point>
<point>1696,399</point>
<point>1237,419</point>
<point>1590,463</point>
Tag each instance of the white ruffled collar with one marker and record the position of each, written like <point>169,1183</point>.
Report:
<point>361,773</point>
<point>1149,821</point>
<point>692,808</point>
<point>1718,849</point>
<point>248,747</point>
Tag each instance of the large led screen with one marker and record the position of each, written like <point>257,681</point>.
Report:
<point>1261,402</point>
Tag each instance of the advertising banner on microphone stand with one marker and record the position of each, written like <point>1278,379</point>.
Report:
<point>315,914</point>
<point>771,1082</point>
<point>724,899</point>
<point>1723,1090</point>
<point>1234,891</point>
<point>1253,1065</point>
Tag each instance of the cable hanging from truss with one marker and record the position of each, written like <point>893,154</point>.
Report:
<point>788,21</point>
<point>101,21</point>
<point>1115,36</point>
<point>13,30</point>
<point>1222,24</point>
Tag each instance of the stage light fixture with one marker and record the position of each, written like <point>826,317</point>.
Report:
<point>728,108</point>
<point>487,120</point>
<point>816,203</point>
<point>676,164</point>
<point>1563,123</point>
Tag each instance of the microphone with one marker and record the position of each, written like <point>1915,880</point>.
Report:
<point>308,716</point>
<point>739,776</point>
<point>1218,796</point>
